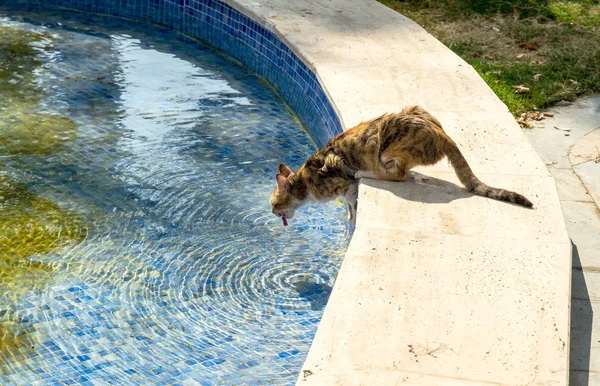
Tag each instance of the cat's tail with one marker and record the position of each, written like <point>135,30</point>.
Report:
<point>472,183</point>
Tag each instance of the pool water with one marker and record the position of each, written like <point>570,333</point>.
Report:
<point>138,245</point>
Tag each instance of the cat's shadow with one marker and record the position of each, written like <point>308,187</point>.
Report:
<point>421,188</point>
<point>315,293</point>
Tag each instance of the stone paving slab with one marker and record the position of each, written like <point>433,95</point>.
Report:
<point>570,187</point>
<point>583,225</point>
<point>584,278</point>
<point>589,174</point>
<point>585,343</point>
<point>586,149</point>
<point>583,378</point>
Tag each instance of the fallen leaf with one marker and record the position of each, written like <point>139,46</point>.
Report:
<point>561,128</point>
<point>520,56</point>
<point>521,89</point>
<point>529,46</point>
<point>549,114</point>
<point>567,134</point>
<point>524,123</point>
<point>536,77</point>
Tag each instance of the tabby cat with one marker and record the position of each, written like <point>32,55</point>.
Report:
<point>384,148</point>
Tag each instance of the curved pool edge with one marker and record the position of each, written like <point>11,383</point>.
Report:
<point>241,34</point>
<point>437,286</point>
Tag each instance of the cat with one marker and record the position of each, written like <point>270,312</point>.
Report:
<point>383,148</point>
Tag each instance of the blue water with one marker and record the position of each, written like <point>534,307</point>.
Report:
<point>183,275</point>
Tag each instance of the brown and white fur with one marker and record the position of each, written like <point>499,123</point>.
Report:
<point>383,148</point>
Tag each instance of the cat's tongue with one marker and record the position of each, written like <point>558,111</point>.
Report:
<point>284,221</point>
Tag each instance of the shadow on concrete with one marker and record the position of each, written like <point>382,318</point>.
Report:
<point>422,188</point>
<point>581,325</point>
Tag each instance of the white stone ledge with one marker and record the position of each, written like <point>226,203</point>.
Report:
<point>438,287</point>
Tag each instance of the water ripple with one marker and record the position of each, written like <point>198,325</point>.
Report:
<point>183,274</point>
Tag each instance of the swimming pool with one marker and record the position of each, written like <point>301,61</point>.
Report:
<point>141,247</point>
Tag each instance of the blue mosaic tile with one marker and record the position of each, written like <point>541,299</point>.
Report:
<point>184,276</point>
<point>230,31</point>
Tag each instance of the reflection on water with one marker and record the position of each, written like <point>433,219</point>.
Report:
<point>135,173</point>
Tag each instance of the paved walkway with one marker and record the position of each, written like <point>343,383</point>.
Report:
<point>574,161</point>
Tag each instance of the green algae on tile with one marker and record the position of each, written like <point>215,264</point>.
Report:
<point>24,129</point>
<point>18,60</point>
<point>18,42</point>
<point>31,226</point>
<point>24,132</point>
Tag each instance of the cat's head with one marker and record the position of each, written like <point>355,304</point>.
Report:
<point>283,202</point>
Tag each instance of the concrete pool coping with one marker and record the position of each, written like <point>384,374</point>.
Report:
<point>437,286</point>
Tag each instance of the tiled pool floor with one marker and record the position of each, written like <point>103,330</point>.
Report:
<point>138,243</point>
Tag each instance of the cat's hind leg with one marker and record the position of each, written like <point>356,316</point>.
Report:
<point>392,170</point>
<point>393,164</point>
<point>388,172</point>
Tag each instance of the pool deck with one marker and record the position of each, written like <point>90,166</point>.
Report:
<point>438,286</point>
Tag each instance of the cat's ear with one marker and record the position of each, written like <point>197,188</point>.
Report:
<point>285,171</point>
<point>283,185</point>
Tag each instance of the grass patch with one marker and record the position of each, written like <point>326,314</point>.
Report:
<point>549,47</point>
<point>585,13</point>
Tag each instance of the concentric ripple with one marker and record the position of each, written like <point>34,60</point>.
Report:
<point>159,260</point>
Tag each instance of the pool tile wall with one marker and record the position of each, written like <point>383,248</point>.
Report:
<point>234,33</point>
